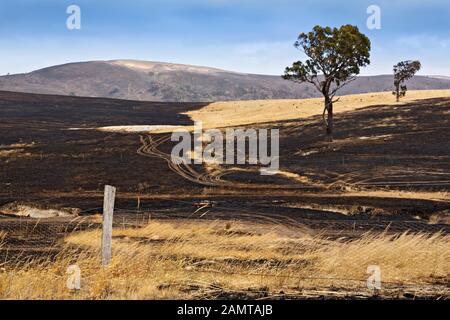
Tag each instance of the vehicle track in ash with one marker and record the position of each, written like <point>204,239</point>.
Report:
<point>149,148</point>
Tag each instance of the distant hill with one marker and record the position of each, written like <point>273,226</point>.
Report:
<point>158,81</point>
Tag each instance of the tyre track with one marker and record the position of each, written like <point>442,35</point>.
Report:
<point>149,148</point>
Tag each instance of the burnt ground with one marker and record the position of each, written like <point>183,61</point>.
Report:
<point>398,147</point>
<point>379,148</point>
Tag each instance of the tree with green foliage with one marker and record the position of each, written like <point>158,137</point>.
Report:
<point>334,57</point>
<point>403,71</point>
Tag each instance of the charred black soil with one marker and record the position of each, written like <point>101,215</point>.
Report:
<point>50,156</point>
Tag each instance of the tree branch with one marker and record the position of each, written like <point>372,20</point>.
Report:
<point>335,90</point>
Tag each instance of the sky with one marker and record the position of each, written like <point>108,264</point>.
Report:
<point>251,36</point>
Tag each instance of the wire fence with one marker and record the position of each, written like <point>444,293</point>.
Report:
<point>22,237</point>
<point>28,238</point>
<point>27,232</point>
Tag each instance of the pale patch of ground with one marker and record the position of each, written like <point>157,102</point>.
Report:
<point>15,150</point>
<point>16,145</point>
<point>13,153</point>
<point>383,136</point>
<point>137,128</point>
<point>306,153</point>
<point>321,208</point>
<point>296,177</point>
<point>149,66</point>
<point>23,210</point>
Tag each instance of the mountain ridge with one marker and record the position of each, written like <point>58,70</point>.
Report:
<point>162,81</point>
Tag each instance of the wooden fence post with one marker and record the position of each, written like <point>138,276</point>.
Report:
<point>108,210</point>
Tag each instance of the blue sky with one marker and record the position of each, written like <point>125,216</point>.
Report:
<point>253,36</point>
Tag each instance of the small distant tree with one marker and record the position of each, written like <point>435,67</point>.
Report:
<point>334,58</point>
<point>403,71</point>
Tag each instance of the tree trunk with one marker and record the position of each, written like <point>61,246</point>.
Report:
<point>397,92</point>
<point>329,122</point>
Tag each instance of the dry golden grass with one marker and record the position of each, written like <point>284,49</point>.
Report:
<point>238,113</point>
<point>216,259</point>
<point>3,235</point>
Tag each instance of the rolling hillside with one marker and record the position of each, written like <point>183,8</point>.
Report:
<point>157,81</point>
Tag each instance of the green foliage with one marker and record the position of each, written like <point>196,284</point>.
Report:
<point>403,71</point>
<point>334,57</point>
